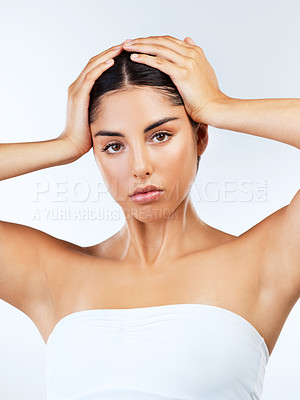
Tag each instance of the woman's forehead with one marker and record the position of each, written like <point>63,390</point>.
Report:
<point>140,105</point>
<point>134,97</point>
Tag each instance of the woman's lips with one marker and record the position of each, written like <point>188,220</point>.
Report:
<point>147,197</point>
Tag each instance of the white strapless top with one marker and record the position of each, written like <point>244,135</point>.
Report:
<point>168,352</point>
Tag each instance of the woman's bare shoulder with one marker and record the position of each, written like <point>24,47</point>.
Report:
<point>103,248</point>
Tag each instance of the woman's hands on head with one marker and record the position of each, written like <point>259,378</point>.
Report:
<point>183,61</point>
<point>77,130</point>
<point>188,68</point>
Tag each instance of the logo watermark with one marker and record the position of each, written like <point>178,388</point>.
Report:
<point>85,193</point>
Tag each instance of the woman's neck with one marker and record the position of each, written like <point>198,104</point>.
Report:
<point>148,245</point>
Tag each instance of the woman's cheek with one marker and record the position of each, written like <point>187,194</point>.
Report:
<point>180,155</point>
<point>116,176</point>
<point>177,172</point>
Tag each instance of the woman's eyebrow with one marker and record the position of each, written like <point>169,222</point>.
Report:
<point>148,128</point>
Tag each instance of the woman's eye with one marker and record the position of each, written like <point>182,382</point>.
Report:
<point>112,145</point>
<point>161,133</point>
<point>109,146</point>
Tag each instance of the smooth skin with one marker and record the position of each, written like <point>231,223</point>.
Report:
<point>155,260</point>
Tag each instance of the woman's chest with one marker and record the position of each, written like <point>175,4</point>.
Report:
<point>217,278</point>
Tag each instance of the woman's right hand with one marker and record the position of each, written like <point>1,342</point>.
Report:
<point>77,131</point>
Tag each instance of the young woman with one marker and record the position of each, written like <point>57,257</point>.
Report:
<point>168,307</point>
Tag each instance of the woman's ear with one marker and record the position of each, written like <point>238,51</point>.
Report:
<point>202,137</point>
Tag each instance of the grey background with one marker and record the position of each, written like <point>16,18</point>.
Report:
<point>254,50</point>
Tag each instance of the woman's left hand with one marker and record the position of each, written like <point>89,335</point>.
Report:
<point>188,68</point>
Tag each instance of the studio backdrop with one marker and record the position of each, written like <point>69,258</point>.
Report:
<point>254,49</point>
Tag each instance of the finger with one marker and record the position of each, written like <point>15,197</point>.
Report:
<point>169,38</point>
<point>104,56</point>
<point>190,40</point>
<point>173,70</point>
<point>166,40</point>
<point>88,80</point>
<point>94,61</point>
<point>170,50</point>
<point>159,50</point>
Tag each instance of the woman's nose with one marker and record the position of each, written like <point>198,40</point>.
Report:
<point>141,163</point>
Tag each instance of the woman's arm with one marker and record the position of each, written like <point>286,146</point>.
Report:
<point>21,158</point>
<point>277,119</point>
<point>196,81</point>
<point>278,234</point>
<point>24,250</point>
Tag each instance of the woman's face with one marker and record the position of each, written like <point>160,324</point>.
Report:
<point>164,156</point>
